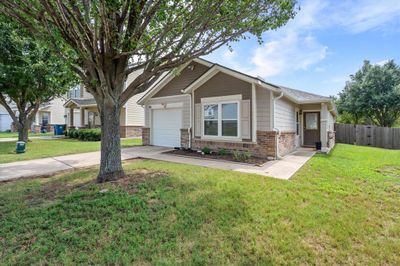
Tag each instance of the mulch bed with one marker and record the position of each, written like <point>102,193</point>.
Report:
<point>214,156</point>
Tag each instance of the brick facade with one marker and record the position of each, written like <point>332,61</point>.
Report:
<point>185,135</point>
<point>287,143</point>
<point>146,136</point>
<point>130,131</point>
<point>264,148</point>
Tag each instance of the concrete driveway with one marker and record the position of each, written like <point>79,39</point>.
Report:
<point>282,169</point>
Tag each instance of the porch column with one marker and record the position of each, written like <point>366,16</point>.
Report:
<point>82,113</point>
<point>71,117</point>
<point>37,118</point>
<point>324,127</point>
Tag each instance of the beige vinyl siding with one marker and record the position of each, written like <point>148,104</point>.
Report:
<point>134,112</point>
<point>56,110</point>
<point>184,99</point>
<point>85,94</point>
<point>284,115</point>
<point>182,80</point>
<point>122,116</point>
<point>263,99</point>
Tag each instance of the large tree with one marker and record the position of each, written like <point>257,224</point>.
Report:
<point>30,75</point>
<point>110,39</point>
<point>373,94</point>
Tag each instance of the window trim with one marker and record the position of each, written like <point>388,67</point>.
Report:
<point>219,136</point>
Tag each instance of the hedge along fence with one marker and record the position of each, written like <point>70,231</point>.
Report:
<point>84,134</point>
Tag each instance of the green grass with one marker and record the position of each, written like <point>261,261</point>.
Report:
<point>343,208</point>
<point>42,148</point>
<point>15,134</point>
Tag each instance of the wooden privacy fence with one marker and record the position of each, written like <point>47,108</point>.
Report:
<point>383,137</point>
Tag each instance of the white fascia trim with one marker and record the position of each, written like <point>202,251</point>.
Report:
<point>165,106</point>
<point>236,97</point>
<point>167,79</point>
<point>171,97</point>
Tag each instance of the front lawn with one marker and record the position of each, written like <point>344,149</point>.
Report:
<point>41,148</point>
<point>15,134</point>
<point>343,208</point>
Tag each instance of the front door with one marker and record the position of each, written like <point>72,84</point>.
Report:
<point>311,128</point>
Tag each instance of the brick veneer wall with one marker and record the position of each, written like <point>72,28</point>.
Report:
<point>130,131</point>
<point>146,136</point>
<point>287,143</point>
<point>265,146</point>
<point>185,138</point>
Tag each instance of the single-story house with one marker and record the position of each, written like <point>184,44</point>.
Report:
<point>82,112</point>
<point>209,105</point>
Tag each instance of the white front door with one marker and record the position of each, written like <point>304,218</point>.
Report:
<point>166,129</point>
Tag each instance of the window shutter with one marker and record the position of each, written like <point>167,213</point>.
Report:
<point>197,120</point>
<point>245,119</point>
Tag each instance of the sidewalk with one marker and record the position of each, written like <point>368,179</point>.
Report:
<point>52,165</point>
<point>281,169</point>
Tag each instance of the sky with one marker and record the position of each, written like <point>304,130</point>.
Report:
<point>324,44</point>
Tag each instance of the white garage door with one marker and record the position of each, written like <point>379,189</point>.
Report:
<point>5,122</point>
<point>166,127</point>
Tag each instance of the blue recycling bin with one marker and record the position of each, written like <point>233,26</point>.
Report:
<point>59,130</point>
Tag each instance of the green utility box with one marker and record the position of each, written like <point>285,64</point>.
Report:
<point>20,147</point>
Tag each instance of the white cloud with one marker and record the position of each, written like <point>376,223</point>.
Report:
<point>295,46</point>
<point>365,15</point>
<point>382,62</point>
<point>291,51</point>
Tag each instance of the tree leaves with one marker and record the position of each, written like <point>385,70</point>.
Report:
<point>373,93</point>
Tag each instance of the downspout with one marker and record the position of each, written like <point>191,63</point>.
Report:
<point>278,157</point>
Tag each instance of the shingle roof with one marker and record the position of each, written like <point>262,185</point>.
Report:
<point>81,102</point>
<point>302,96</point>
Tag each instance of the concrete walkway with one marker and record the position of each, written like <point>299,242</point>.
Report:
<point>282,169</point>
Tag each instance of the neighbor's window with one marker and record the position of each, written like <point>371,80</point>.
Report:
<point>45,119</point>
<point>297,123</point>
<point>311,120</point>
<point>221,119</point>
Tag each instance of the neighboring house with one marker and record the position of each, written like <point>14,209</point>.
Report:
<point>209,105</point>
<point>49,114</point>
<point>82,112</point>
<point>5,119</point>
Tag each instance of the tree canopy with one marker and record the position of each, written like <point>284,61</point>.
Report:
<point>372,95</point>
<point>107,40</point>
<point>30,74</point>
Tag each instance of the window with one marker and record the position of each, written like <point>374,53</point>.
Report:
<point>297,123</point>
<point>221,119</point>
<point>312,121</point>
<point>45,119</point>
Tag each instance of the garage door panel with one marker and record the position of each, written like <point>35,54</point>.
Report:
<point>166,127</point>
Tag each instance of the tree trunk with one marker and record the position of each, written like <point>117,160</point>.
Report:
<point>23,129</point>
<point>110,164</point>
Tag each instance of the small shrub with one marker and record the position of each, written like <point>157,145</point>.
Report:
<point>85,134</point>
<point>236,155</point>
<point>246,155</point>
<point>241,156</point>
<point>222,152</point>
<point>206,150</point>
